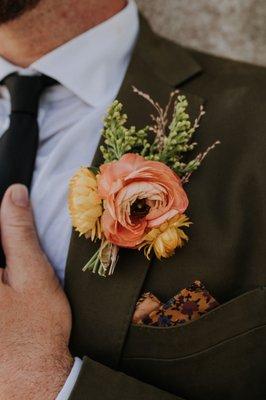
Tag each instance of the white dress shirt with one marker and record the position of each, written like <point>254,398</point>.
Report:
<point>90,69</point>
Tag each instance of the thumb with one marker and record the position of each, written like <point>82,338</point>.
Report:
<point>18,234</point>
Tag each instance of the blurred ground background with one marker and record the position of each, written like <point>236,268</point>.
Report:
<point>231,28</point>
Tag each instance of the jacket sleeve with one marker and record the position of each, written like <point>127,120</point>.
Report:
<point>98,382</point>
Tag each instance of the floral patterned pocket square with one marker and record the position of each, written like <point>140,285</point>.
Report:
<point>188,305</point>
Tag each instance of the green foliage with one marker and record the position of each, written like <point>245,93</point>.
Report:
<point>119,139</point>
<point>170,141</point>
<point>178,140</point>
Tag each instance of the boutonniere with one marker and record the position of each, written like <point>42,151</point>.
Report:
<point>136,199</point>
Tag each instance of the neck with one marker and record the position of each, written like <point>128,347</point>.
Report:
<point>51,24</point>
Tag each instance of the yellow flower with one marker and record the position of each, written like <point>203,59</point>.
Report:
<point>167,237</point>
<point>84,203</point>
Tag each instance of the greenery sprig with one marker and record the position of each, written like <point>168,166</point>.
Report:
<point>119,139</point>
<point>171,141</point>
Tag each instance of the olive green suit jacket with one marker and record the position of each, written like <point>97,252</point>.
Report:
<point>221,355</point>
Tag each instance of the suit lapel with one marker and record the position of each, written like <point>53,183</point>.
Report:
<point>102,308</point>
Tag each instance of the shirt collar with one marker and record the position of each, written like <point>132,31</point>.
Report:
<point>89,64</point>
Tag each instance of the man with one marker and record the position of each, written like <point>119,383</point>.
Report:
<point>95,50</point>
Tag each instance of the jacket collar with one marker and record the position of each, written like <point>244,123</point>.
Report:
<point>170,62</point>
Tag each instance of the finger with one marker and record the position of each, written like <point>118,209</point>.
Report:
<point>18,234</point>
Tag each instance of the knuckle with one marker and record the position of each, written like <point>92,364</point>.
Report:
<point>25,232</point>
<point>19,222</point>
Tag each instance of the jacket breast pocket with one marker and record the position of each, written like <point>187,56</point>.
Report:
<point>221,355</point>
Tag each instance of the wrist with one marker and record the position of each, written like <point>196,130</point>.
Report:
<point>41,378</point>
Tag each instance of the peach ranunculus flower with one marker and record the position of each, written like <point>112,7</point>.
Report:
<point>138,195</point>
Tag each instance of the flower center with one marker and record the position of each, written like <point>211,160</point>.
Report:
<point>139,208</point>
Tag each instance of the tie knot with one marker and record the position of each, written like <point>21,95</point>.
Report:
<point>25,91</point>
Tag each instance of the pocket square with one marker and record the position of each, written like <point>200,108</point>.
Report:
<point>188,305</point>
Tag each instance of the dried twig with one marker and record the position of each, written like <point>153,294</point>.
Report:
<point>200,157</point>
<point>198,119</point>
<point>161,120</point>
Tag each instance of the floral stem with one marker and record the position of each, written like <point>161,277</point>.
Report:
<point>91,263</point>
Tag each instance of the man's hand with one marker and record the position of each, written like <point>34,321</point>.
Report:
<point>35,317</point>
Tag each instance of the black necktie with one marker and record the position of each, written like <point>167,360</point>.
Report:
<point>18,145</point>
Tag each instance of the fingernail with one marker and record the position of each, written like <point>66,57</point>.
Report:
<point>20,196</point>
